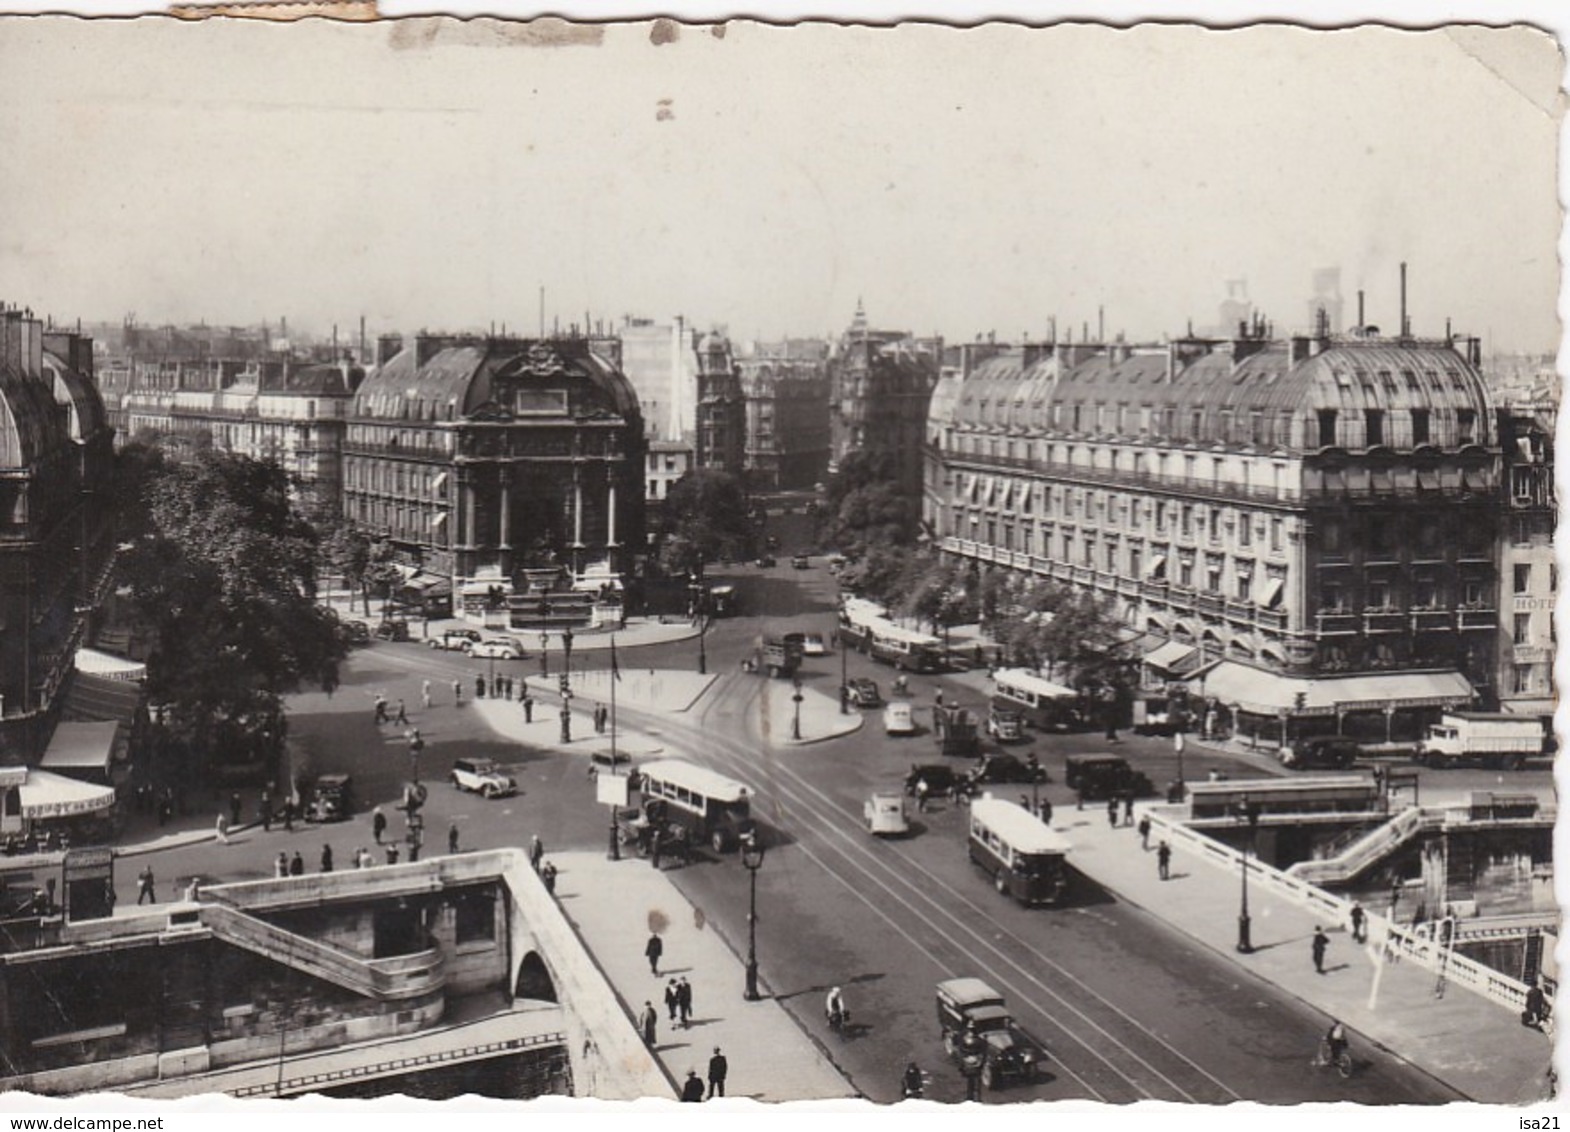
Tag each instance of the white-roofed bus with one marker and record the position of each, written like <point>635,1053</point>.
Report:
<point>708,806</point>
<point>1025,857</point>
<point>1044,705</point>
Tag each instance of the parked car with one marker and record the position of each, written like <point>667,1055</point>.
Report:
<point>1105,776</point>
<point>765,561</point>
<point>482,777</point>
<point>899,718</point>
<point>885,814</point>
<point>500,648</point>
<point>1335,754</point>
<point>1007,768</point>
<point>800,562</point>
<point>1007,1053</point>
<point>457,640</point>
<point>812,644</point>
<point>1005,725</point>
<point>357,632</point>
<point>392,629</point>
<point>941,778</point>
<point>863,692</point>
<point>331,799</point>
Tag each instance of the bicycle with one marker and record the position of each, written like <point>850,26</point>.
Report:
<point>1342,1059</point>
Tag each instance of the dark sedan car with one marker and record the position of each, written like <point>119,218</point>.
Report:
<point>1007,768</point>
<point>1333,754</point>
<point>940,779</point>
<point>863,692</point>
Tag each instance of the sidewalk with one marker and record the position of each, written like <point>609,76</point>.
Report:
<point>1475,1046</point>
<point>613,906</point>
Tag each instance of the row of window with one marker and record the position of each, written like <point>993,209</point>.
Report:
<point>393,477</point>
<point>1521,578</point>
<point>1138,514</point>
<point>1385,595</point>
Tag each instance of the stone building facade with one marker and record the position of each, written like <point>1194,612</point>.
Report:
<point>880,385</point>
<point>786,389</point>
<point>482,457</point>
<point>1300,527</point>
<point>1528,570</point>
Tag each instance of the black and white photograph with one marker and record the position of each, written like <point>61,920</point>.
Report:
<point>747,561</point>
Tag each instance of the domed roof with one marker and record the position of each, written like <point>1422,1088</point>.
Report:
<point>32,422</point>
<point>85,408</point>
<point>452,378</point>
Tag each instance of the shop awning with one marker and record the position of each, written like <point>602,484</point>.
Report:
<point>1272,595</point>
<point>98,697</point>
<point>106,664</point>
<point>1157,567</point>
<point>1170,656</point>
<point>46,795</point>
<point>82,746</point>
<point>1269,692</point>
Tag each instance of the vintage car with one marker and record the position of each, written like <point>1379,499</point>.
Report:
<point>499,648</point>
<point>812,644</point>
<point>331,799</point>
<point>885,814</point>
<point>392,629</point>
<point>995,769</point>
<point>1098,777</point>
<point>800,562</point>
<point>456,640</point>
<point>863,692</point>
<point>1005,1051</point>
<point>1005,725</point>
<point>899,718</point>
<point>942,780</point>
<point>1331,754</point>
<point>482,777</point>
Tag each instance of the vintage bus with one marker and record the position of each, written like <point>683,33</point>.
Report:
<point>857,618</point>
<point>1043,704</point>
<point>1027,859</point>
<point>708,806</point>
<point>906,649</point>
<point>722,600</point>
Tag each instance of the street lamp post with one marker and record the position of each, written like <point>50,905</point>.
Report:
<point>566,654</point>
<point>545,661</point>
<point>1177,746</point>
<point>844,693</point>
<point>1245,944</point>
<point>752,858</point>
<point>795,723</point>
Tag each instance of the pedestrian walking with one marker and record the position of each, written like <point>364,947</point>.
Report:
<point>1046,811</point>
<point>145,886</point>
<point>672,1000</point>
<point>528,708</point>
<point>223,830</point>
<point>327,858</point>
<point>684,1002</point>
<point>297,865</point>
<point>1321,941</point>
<point>646,1023</point>
<point>479,687</point>
<point>1164,860</point>
<point>922,790</point>
<point>425,693</point>
<point>718,1067</point>
<point>266,809</point>
<point>1144,832</point>
<point>378,824</point>
<point>656,847</point>
<point>288,816</point>
<point>1128,808</point>
<point>380,710</point>
<point>937,698</point>
<point>457,692</point>
<point>536,851</point>
<point>452,837</point>
<point>1395,896</point>
<point>403,715</point>
<point>1112,811</point>
<point>653,950</point>
<point>692,1088</point>
<point>1359,923</point>
<point>392,852</point>
<point>548,875</point>
<point>234,809</point>
<point>281,865</point>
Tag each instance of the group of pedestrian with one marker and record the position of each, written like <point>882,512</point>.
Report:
<point>1041,809</point>
<point>285,865</point>
<point>678,1001</point>
<point>1123,803</point>
<point>602,715</point>
<point>692,1088</point>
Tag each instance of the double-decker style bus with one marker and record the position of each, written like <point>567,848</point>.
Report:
<point>1027,859</point>
<point>707,805</point>
<point>1043,704</point>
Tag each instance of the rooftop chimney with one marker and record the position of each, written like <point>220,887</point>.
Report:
<point>1406,328</point>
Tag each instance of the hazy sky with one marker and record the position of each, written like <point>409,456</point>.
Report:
<point>437,174</point>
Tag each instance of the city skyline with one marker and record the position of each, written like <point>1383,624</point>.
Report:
<point>769,179</point>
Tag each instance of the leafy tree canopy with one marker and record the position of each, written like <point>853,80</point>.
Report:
<point>707,516</point>
<point>864,506</point>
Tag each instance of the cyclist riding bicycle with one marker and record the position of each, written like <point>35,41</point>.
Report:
<point>834,1007</point>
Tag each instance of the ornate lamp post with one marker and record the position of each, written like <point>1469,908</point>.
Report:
<point>844,682</point>
<point>795,723</point>
<point>566,653</point>
<point>752,858</point>
<point>545,661</point>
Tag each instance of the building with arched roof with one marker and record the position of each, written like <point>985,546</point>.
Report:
<point>1300,527</point>
<point>481,457</point>
<point>56,528</point>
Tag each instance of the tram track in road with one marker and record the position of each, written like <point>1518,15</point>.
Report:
<point>1114,1055</point>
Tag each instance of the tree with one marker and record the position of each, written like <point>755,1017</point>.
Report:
<point>864,506</point>
<point>223,584</point>
<point>707,516</point>
<point>347,551</point>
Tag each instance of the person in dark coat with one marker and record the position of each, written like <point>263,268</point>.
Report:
<point>1321,942</point>
<point>672,1000</point>
<point>327,858</point>
<point>1144,831</point>
<point>718,1067</point>
<point>266,812</point>
<point>536,851</point>
<point>653,950</point>
<point>1164,860</point>
<point>297,865</point>
<point>234,808</point>
<point>145,891</point>
<point>548,875</point>
<point>647,1021</point>
<point>479,687</point>
<point>684,1002</point>
<point>1112,811</point>
<point>378,824</point>
<point>452,837</point>
<point>692,1089</point>
<point>1359,923</point>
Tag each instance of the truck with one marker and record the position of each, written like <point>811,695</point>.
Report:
<point>780,656</point>
<point>1486,738</point>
